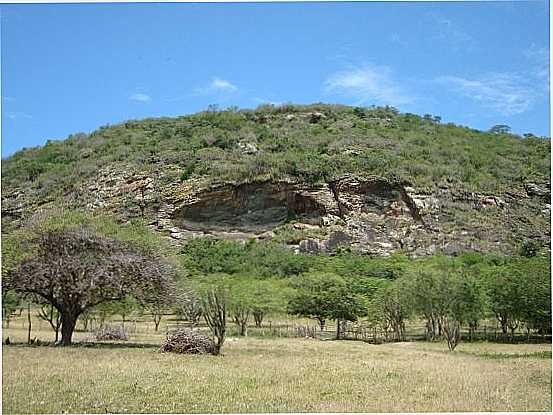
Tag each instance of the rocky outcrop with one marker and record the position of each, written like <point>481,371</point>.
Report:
<point>252,207</point>
<point>372,214</point>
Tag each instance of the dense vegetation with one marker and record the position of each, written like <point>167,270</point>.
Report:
<point>448,293</point>
<point>310,143</point>
<point>246,282</point>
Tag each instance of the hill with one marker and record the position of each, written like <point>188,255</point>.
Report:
<point>312,177</point>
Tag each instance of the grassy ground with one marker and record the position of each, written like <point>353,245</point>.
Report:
<point>274,375</point>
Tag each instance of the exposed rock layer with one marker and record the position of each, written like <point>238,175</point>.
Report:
<point>372,215</point>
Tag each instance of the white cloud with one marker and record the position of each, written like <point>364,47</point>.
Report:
<point>539,62</point>
<point>16,115</point>
<point>217,86</point>
<point>139,97</point>
<point>222,84</point>
<point>505,93</point>
<point>368,85</point>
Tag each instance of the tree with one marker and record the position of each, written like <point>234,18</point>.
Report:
<point>465,304</point>
<point>447,295</point>
<point>426,299</point>
<point>240,304</point>
<point>75,262</point>
<point>268,296</point>
<point>520,294</point>
<point>10,304</point>
<point>126,307</point>
<point>325,296</point>
<point>504,288</point>
<point>500,129</point>
<point>188,305</point>
<point>252,297</point>
<point>536,295</point>
<point>394,308</point>
<point>309,299</point>
<point>214,309</point>
<point>85,317</point>
<point>158,308</point>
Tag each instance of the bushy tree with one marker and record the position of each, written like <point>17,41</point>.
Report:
<point>465,305</point>
<point>241,301</point>
<point>519,292</point>
<point>427,300</point>
<point>269,296</point>
<point>126,308</point>
<point>504,289</point>
<point>529,248</point>
<point>75,261</point>
<point>447,296</point>
<point>500,129</point>
<point>159,307</point>
<point>10,304</point>
<point>323,296</point>
<point>390,308</point>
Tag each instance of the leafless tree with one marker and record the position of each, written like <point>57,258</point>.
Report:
<point>189,306</point>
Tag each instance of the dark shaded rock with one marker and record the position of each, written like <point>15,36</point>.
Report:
<point>532,189</point>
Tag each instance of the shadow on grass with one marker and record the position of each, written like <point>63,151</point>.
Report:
<point>88,345</point>
<point>487,355</point>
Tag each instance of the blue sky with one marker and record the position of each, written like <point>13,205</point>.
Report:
<point>71,68</point>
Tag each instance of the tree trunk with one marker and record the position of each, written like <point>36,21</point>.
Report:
<point>157,320</point>
<point>322,323</point>
<point>452,333</point>
<point>68,323</point>
<point>258,318</point>
<point>243,328</point>
<point>29,323</point>
<point>429,329</point>
<point>401,333</point>
<point>338,329</point>
<point>503,322</point>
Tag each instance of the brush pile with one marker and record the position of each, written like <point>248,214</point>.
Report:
<point>108,332</point>
<point>187,341</point>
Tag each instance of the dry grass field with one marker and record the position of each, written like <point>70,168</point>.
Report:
<point>274,375</point>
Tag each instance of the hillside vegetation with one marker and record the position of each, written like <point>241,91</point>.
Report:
<point>311,177</point>
<point>308,143</point>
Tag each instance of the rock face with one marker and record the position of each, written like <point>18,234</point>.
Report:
<point>248,207</point>
<point>371,214</point>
